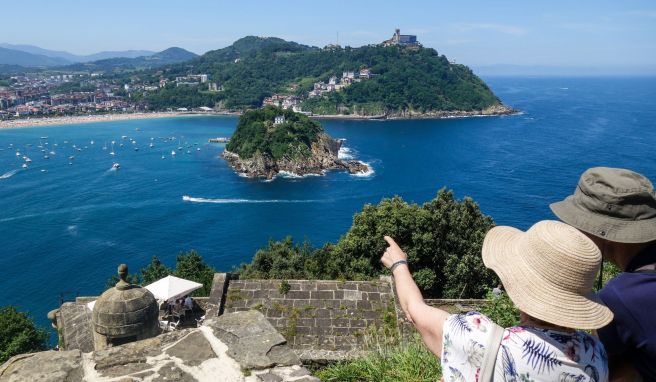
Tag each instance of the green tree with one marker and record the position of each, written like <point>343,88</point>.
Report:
<point>443,239</point>
<point>191,266</point>
<point>19,334</point>
<point>154,271</point>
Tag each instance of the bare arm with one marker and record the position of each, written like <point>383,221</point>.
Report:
<point>427,320</point>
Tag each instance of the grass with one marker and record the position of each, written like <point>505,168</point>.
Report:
<point>409,361</point>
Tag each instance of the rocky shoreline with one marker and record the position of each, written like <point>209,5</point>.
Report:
<point>492,111</point>
<point>324,158</point>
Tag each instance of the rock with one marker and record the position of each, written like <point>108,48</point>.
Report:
<point>48,366</point>
<point>268,377</point>
<point>193,349</point>
<point>252,341</point>
<point>324,157</point>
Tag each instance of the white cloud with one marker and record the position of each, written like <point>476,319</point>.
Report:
<point>499,28</point>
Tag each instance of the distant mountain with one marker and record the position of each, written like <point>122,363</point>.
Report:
<point>116,54</point>
<point>169,56</point>
<point>73,58</point>
<point>17,57</point>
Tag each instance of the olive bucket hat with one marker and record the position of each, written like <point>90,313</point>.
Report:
<point>611,203</point>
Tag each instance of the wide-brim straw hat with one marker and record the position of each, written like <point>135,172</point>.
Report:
<point>548,272</point>
<point>611,203</point>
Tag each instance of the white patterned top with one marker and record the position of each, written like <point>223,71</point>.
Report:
<point>526,353</point>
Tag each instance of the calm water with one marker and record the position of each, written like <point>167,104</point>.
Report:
<point>66,229</point>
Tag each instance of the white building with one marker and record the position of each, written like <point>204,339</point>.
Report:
<point>279,119</point>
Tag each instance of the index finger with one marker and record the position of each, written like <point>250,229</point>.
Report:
<point>390,241</point>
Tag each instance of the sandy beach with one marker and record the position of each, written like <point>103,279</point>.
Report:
<point>93,118</point>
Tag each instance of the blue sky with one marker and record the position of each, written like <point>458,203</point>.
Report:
<point>550,33</point>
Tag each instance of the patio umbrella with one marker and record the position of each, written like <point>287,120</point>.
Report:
<point>171,287</point>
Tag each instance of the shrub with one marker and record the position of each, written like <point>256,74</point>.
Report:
<point>19,334</point>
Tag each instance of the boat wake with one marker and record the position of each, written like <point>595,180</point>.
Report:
<point>8,174</point>
<point>187,198</point>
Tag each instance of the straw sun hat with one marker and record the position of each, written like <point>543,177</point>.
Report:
<point>548,272</point>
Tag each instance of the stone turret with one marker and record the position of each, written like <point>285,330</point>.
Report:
<point>124,313</point>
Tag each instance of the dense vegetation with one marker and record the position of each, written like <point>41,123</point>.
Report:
<point>18,334</point>
<point>190,266</point>
<point>442,238</point>
<point>256,133</point>
<point>407,79</point>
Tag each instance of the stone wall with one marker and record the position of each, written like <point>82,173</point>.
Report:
<point>321,320</point>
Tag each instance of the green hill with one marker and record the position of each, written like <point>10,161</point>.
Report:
<point>256,133</point>
<point>403,80</point>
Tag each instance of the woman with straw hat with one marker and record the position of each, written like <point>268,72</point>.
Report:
<point>548,272</point>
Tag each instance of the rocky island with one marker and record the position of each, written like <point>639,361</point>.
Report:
<point>271,140</point>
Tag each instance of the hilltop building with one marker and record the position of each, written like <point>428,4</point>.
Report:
<point>279,120</point>
<point>408,40</point>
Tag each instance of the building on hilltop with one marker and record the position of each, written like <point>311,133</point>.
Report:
<point>279,120</point>
<point>398,39</point>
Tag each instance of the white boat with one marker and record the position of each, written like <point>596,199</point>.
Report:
<point>151,145</point>
<point>92,142</point>
<point>136,149</point>
<point>173,152</point>
<point>124,137</point>
<point>24,165</point>
<point>71,157</point>
<point>163,157</point>
<point>46,157</point>
<point>18,153</point>
<point>52,153</point>
<point>116,166</point>
<point>27,160</point>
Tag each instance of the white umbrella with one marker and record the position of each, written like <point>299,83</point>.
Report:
<point>171,287</point>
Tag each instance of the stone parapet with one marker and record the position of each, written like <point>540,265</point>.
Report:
<point>321,320</point>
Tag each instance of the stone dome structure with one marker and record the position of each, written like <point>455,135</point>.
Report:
<point>124,314</point>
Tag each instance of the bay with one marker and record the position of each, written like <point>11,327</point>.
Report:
<point>64,230</point>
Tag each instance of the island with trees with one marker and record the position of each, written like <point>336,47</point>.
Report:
<point>271,140</point>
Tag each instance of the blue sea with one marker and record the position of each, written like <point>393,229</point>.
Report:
<point>66,223</point>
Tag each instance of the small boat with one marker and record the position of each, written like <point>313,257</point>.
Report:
<point>44,137</point>
<point>124,137</point>
<point>24,165</point>
<point>136,149</point>
<point>46,157</point>
<point>18,153</point>
<point>92,142</point>
<point>115,166</point>
<point>27,160</point>
<point>71,157</point>
<point>172,152</point>
<point>197,148</point>
<point>151,145</point>
<point>112,153</point>
<point>163,157</point>
<point>52,153</point>
<point>44,170</point>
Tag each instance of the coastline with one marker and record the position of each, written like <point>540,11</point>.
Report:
<point>95,118</point>
<point>494,111</point>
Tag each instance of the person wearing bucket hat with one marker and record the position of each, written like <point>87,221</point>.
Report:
<point>548,272</point>
<point>616,208</point>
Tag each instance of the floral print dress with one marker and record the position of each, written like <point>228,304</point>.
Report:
<point>526,353</point>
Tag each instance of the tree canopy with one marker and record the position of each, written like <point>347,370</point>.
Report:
<point>443,239</point>
<point>256,132</point>
<point>19,334</point>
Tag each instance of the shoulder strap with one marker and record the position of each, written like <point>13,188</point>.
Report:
<point>489,358</point>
